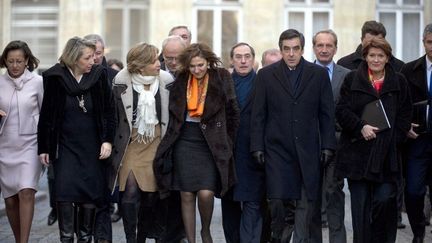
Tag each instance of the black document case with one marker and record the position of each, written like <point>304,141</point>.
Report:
<point>375,115</point>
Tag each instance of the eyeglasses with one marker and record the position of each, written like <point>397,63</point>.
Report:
<point>17,62</point>
<point>170,59</point>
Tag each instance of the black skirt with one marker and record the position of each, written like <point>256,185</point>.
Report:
<point>194,168</point>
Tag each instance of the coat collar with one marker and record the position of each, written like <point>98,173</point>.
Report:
<point>279,73</point>
<point>391,83</point>
<point>215,98</point>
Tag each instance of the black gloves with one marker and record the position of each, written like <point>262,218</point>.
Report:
<point>326,156</point>
<point>259,157</point>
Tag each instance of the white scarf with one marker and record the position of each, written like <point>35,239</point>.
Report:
<point>146,116</point>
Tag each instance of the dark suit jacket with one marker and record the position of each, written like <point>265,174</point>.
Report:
<point>292,128</point>
<point>415,73</point>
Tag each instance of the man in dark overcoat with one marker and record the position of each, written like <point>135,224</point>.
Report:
<point>292,132</point>
<point>419,163</point>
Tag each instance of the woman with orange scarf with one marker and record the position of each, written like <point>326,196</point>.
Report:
<point>196,155</point>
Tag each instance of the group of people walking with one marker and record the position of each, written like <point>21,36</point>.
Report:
<point>174,130</point>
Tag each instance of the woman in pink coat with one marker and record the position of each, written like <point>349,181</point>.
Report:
<point>20,101</point>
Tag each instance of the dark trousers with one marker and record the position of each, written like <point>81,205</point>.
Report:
<point>103,226</point>
<point>296,216</point>
<point>332,208</point>
<point>51,181</point>
<point>419,167</point>
<point>231,217</point>
<point>374,211</point>
<point>251,222</point>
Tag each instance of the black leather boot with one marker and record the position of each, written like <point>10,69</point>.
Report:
<point>65,216</point>
<point>86,218</point>
<point>129,216</point>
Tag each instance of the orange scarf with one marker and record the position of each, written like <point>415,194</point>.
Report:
<point>196,94</point>
<point>376,83</point>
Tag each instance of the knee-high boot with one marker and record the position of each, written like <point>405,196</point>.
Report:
<point>86,218</point>
<point>129,216</point>
<point>65,215</point>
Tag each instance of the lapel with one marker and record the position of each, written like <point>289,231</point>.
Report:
<point>279,74</point>
<point>391,81</point>
<point>177,97</point>
<point>419,73</point>
<point>362,84</point>
<point>215,93</point>
<point>305,76</point>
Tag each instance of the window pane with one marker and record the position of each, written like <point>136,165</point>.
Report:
<point>321,1</point>
<point>411,36</point>
<point>113,33</point>
<point>296,21</point>
<point>389,21</point>
<point>297,1</point>
<point>35,22</point>
<point>205,27</point>
<point>320,21</point>
<point>387,1</point>
<point>138,29</point>
<point>416,2</point>
<point>229,34</point>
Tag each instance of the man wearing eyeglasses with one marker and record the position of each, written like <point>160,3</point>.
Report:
<point>171,49</point>
<point>293,135</point>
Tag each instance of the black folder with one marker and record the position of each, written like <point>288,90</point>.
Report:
<point>375,115</point>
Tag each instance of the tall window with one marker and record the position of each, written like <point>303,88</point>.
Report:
<point>126,24</point>
<point>403,20</point>
<point>217,23</point>
<point>308,17</point>
<point>35,22</point>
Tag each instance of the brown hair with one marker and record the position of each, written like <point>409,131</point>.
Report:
<point>377,42</point>
<point>198,50</point>
<point>19,45</point>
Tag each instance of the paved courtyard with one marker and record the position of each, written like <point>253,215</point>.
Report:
<point>41,233</point>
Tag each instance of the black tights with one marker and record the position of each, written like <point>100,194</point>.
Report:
<point>131,193</point>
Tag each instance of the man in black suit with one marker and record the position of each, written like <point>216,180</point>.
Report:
<point>293,133</point>
<point>369,30</point>
<point>419,162</point>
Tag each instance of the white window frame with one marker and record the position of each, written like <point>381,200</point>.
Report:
<point>399,8</point>
<point>126,8</point>
<point>308,8</point>
<point>217,6</point>
<point>37,23</point>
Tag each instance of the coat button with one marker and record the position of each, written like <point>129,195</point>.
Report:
<point>203,126</point>
<point>218,124</point>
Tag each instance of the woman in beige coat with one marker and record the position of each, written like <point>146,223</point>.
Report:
<point>142,108</point>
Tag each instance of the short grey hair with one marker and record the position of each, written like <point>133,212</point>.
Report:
<point>173,38</point>
<point>180,27</point>
<point>74,49</point>
<point>427,30</point>
<point>329,31</point>
<point>95,37</point>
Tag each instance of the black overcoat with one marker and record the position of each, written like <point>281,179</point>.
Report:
<point>292,128</point>
<point>415,73</point>
<point>219,124</point>
<point>51,116</point>
<point>250,184</point>
<point>376,159</point>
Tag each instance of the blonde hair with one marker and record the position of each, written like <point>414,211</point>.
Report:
<point>74,49</point>
<point>140,56</point>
